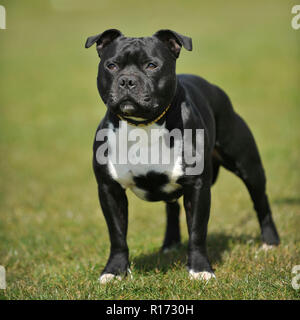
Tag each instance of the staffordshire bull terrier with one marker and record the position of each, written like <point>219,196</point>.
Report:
<point>137,82</point>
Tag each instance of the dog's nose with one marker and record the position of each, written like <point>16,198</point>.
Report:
<point>127,82</point>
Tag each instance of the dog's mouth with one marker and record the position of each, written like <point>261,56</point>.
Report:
<point>130,109</point>
<point>127,107</point>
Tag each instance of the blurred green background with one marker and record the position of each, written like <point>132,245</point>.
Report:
<point>53,238</point>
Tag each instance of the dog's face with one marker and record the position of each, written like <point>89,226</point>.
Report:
<point>136,76</point>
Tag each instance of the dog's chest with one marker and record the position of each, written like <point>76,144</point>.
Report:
<point>143,160</point>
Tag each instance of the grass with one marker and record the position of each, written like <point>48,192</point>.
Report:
<point>53,238</point>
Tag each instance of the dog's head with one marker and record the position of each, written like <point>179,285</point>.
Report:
<point>136,76</point>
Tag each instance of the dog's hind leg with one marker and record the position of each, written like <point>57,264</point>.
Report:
<point>240,155</point>
<point>215,166</point>
<point>172,234</point>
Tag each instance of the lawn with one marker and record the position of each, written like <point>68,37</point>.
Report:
<point>53,237</point>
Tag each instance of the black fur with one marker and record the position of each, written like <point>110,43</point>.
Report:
<point>195,103</point>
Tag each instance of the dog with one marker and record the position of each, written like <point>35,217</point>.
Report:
<point>137,82</point>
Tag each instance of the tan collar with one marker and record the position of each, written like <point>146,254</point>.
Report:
<point>144,123</point>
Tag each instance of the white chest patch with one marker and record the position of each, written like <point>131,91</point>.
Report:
<point>141,152</point>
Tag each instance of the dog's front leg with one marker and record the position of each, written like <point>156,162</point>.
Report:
<point>197,207</point>
<point>114,205</point>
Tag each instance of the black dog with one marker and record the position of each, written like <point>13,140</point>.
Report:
<point>138,83</point>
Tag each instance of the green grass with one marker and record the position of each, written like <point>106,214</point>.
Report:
<point>53,238</point>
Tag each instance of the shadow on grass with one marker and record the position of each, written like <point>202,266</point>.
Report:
<point>287,200</point>
<point>217,243</point>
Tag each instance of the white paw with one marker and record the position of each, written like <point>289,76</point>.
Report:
<point>266,247</point>
<point>204,275</point>
<point>107,277</point>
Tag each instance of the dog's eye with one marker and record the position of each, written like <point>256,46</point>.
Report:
<point>151,66</point>
<point>112,67</point>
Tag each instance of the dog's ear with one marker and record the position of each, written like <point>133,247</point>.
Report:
<point>174,40</point>
<point>103,39</point>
